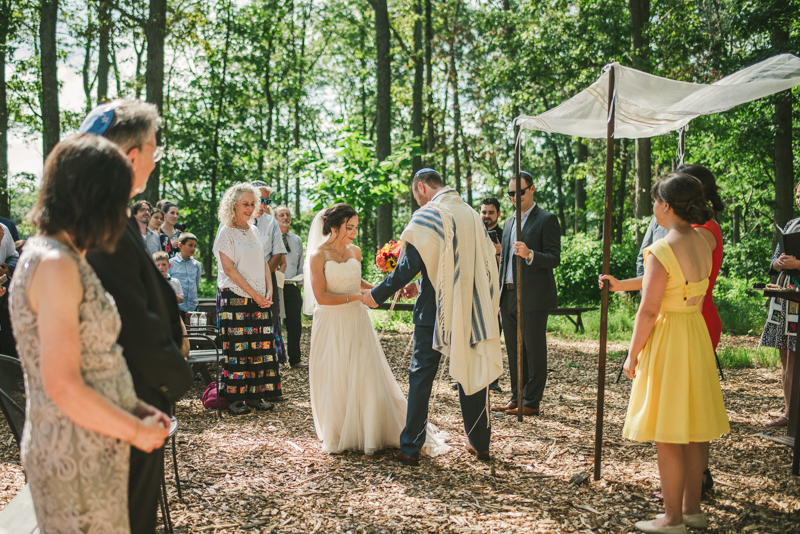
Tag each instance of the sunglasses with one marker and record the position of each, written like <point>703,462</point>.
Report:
<point>266,201</point>
<point>513,194</point>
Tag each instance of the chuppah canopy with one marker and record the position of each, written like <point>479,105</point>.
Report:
<point>647,105</point>
<point>627,103</point>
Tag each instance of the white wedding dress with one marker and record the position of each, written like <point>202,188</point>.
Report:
<point>356,402</point>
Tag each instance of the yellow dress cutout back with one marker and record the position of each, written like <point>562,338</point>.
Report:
<point>676,396</point>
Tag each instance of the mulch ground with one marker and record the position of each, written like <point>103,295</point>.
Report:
<point>265,472</point>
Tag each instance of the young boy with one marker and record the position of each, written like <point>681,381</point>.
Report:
<point>187,271</point>
<point>162,263</point>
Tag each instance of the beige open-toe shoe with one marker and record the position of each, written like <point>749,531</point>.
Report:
<point>697,521</point>
<point>648,527</point>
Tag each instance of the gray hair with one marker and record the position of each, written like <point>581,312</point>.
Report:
<point>282,207</point>
<point>227,206</point>
<point>133,123</point>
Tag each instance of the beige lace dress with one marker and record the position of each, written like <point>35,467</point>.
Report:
<point>78,478</point>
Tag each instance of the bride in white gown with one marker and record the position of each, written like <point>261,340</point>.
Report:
<point>355,399</point>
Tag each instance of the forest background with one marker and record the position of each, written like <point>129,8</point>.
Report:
<point>342,100</point>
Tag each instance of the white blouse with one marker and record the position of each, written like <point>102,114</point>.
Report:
<point>244,248</point>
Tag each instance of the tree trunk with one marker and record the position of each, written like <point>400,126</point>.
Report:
<point>623,178</point>
<point>88,83</point>
<point>456,117</point>
<point>383,108</point>
<point>640,21</point>
<point>215,142</point>
<point>5,24</point>
<point>644,181</point>
<point>155,31</point>
<point>103,64</point>
<point>430,143</point>
<point>784,171</point>
<point>416,99</point>
<point>737,217</point>
<point>580,190</point>
<point>559,185</point>
<point>51,124</point>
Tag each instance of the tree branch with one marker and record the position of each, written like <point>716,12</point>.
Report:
<point>138,20</point>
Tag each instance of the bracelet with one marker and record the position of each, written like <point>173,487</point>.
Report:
<point>136,435</point>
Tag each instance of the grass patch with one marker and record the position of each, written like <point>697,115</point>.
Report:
<point>746,358</point>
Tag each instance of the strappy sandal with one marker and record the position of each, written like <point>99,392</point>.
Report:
<point>238,408</point>
<point>779,422</point>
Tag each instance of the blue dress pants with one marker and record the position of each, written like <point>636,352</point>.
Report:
<point>421,374</point>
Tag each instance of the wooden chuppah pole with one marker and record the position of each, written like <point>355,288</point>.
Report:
<point>518,266</point>
<point>601,368</point>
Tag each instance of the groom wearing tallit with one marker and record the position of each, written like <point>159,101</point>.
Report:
<point>455,314</point>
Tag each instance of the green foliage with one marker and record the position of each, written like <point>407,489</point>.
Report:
<point>582,262</point>
<point>621,316</point>
<point>22,196</point>
<point>746,358</point>
<point>749,259</point>
<point>741,311</point>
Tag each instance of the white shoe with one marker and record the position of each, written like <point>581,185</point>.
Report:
<point>697,521</point>
<point>647,526</point>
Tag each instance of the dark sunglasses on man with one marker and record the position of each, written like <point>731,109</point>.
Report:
<point>513,194</point>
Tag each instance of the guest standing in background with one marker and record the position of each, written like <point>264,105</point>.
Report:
<point>490,214</point>
<point>540,249</point>
<point>188,271</point>
<point>8,262</point>
<point>272,243</point>
<point>12,228</point>
<point>152,330</point>
<point>169,233</point>
<point>292,266</point>
<point>141,213</point>
<point>780,331</point>
<point>154,224</point>
<point>161,260</point>
<point>82,414</point>
<point>671,353</point>
<point>250,375</point>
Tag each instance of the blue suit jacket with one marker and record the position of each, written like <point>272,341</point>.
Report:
<point>409,267</point>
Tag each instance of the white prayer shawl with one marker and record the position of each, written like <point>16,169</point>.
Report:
<point>460,261</point>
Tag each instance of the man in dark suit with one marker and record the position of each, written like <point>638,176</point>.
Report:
<point>151,324</point>
<point>540,250</point>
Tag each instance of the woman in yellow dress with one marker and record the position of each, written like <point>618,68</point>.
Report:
<point>676,399</point>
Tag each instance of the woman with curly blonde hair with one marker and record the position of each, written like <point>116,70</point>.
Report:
<point>250,374</point>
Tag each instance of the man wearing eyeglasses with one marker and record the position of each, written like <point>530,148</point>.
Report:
<point>274,251</point>
<point>291,267</point>
<point>140,212</point>
<point>152,330</point>
<point>540,248</point>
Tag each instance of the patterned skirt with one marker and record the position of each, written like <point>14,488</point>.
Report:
<point>780,331</point>
<point>250,371</point>
<point>280,346</point>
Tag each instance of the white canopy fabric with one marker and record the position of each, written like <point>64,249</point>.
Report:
<point>647,105</point>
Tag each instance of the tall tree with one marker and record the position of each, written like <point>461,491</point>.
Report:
<point>580,189</point>
<point>417,96</point>
<point>6,21</point>
<point>383,108</point>
<point>456,111</point>
<point>103,52</point>
<point>155,30</point>
<point>640,22</point>
<point>784,169</point>
<point>430,142</point>
<point>51,123</point>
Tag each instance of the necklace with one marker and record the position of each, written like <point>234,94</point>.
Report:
<point>71,244</point>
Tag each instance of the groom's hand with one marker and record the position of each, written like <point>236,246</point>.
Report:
<point>366,297</point>
<point>410,291</point>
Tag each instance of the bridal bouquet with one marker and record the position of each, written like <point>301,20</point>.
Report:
<point>386,258</point>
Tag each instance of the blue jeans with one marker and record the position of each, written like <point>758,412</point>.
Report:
<point>421,374</point>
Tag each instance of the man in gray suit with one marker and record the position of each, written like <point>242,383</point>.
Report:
<point>540,249</point>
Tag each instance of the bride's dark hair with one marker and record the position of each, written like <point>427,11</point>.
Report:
<point>336,216</point>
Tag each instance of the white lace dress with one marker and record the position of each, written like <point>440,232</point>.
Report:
<point>356,402</point>
<point>78,478</point>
